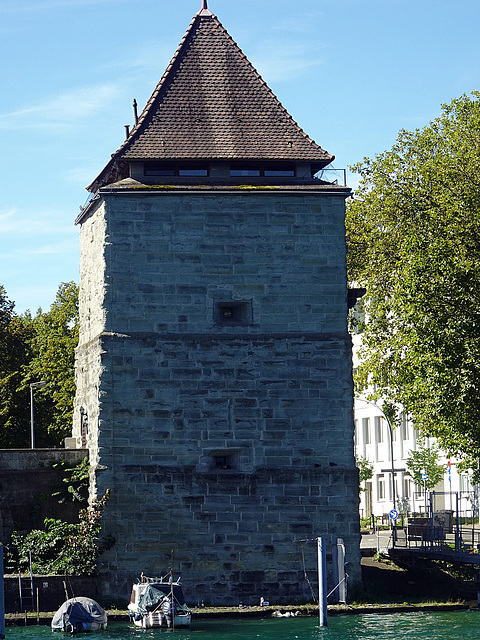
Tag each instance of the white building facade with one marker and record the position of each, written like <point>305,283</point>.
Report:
<point>376,441</point>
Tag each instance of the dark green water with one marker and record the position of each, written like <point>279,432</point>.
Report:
<point>463,625</point>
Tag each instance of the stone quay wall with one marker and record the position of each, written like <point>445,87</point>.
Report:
<point>27,481</point>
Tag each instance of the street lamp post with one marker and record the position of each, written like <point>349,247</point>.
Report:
<point>34,385</point>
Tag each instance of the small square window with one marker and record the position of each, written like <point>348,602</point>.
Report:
<point>224,459</point>
<point>233,313</point>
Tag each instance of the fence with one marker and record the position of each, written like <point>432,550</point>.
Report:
<point>448,523</point>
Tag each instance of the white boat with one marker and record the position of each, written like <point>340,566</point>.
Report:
<point>159,602</point>
<point>79,614</point>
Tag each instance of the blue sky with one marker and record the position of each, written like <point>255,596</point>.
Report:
<point>352,73</point>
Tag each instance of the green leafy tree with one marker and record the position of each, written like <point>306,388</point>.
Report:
<point>413,233</point>
<point>365,470</point>
<point>33,349</point>
<point>15,333</point>
<point>425,460</point>
<point>53,342</point>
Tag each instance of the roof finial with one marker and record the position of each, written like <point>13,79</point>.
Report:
<point>204,10</point>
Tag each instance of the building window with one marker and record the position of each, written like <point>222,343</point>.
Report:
<point>381,487</point>
<point>268,170</point>
<point>366,430</point>
<point>193,170</point>
<point>279,170</point>
<point>159,169</point>
<point>244,170</point>
<point>404,428</point>
<point>233,313</point>
<point>174,169</point>
<point>379,429</point>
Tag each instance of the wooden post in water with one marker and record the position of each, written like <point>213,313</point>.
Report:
<point>2,599</point>
<point>322,581</point>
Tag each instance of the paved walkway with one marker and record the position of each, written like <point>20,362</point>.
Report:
<point>379,541</point>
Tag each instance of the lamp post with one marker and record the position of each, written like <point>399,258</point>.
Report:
<point>34,385</point>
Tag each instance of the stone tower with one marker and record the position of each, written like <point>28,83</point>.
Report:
<point>214,385</point>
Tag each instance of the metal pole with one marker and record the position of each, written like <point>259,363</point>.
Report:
<point>457,525</point>
<point>322,582</point>
<point>2,599</point>
<point>34,385</point>
<point>342,586</point>
<point>391,444</point>
<point>32,434</point>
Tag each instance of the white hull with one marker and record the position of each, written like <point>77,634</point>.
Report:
<point>158,621</point>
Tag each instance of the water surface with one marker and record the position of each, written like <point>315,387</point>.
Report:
<point>457,625</point>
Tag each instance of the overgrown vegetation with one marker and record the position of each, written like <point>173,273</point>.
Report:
<point>61,548</point>
<point>75,481</point>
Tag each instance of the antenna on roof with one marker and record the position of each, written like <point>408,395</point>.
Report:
<point>135,112</point>
<point>204,5</point>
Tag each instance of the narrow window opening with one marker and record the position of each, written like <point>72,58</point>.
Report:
<point>244,170</point>
<point>270,170</point>
<point>173,169</point>
<point>279,170</point>
<point>193,170</point>
<point>159,169</point>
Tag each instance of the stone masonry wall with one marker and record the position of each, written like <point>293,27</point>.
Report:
<point>222,443</point>
<point>27,481</point>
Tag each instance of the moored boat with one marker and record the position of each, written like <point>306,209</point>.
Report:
<point>159,602</point>
<point>79,615</point>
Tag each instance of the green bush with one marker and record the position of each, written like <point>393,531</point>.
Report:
<point>62,548</point>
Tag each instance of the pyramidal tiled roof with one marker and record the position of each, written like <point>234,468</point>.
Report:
<point>212,104</point>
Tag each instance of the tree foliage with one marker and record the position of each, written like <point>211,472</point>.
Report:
<point>15,334</point>
<point>53,342</point>
<point>32,349</point>
<point>425,460</point>
<point>365,470</point>
<point>413,235</point>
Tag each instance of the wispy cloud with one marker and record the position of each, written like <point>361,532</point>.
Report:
<point>61,110</point>
<point>51,248</point>
<point>281,64</point>
<point>18,224</point>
